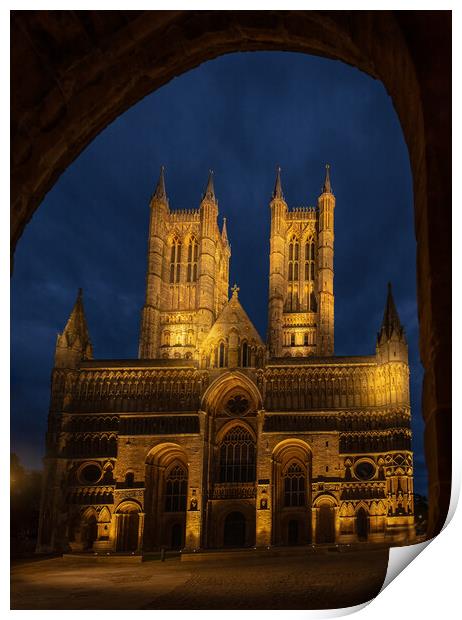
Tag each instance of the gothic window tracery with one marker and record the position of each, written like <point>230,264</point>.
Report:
<point>293,259</point>
<point>175,489</point>
<point>309,259</point>
<point>175,260</point>
<point>237,456</point>
<point>191,273</point>
<point>294,485</point>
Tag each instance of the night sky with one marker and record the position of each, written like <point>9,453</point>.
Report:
<point>241,115</point>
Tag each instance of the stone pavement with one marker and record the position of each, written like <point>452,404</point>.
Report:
<point>315,581</point>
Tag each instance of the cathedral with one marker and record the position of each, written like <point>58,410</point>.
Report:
<point>213,438</point>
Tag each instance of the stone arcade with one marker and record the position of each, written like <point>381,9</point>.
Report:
<point>213,439</point>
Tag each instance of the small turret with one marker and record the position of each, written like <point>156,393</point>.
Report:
<point>391,339</point>
<point>325,268</point>
<point>224,232</point>
<point>74,345</point>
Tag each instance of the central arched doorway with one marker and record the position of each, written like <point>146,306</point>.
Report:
<point>292,532</point>
<point>234,530</point>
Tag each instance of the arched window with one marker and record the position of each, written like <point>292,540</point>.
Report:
<point>191,272</point>
<point>129,479</point>
<point>175,259</point>
<point>294,486</point>
<point>175,489</point>
<point>292,340</point>
<point>309,260</point>
<point>245,354</point>
<point>166,339</point>
<point>293,259</point>
<point>221,355</point>
<point>313,306</point>
<point>237,456</point>
<point>305,339</point>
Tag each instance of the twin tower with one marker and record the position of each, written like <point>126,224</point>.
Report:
<point>188,277</point>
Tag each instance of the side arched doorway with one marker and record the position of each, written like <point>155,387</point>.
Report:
<point>128,522</point>
<point>234,530</point>
<point>325,527</point>
<point>362,525</point>
<point>166,483</point>
<point>89,532</point>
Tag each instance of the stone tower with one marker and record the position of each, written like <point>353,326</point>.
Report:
<point>187,277</point>
<point>301,296</point>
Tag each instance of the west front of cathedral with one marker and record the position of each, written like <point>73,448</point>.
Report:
<point>213,438</point>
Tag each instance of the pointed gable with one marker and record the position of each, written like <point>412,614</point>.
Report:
<point>233,318</point>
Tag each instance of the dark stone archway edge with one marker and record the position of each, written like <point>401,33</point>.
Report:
<point>74,72</point>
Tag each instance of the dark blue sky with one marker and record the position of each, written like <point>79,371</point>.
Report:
<point>241,115</point>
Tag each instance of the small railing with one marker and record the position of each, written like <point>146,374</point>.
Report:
<point>234,490</point>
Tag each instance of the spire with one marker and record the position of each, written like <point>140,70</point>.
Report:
<point>327,188</point>
<point>391,322</point>
<point>209,190</point>
<point>160,193</point>
<point>224,232</point>
<point>277,193</point>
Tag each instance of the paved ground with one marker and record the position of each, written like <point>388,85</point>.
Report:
<point>314,581</point>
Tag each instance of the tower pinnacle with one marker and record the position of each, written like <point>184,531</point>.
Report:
<point>327,188</point>
<point>160,193</point>
<point>224,232</point>
<point>391,322</point>
<point>74,343</point>
<point>209,193</point>
<point>277,192</point>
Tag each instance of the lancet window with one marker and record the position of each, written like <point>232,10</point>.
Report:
<point>191,272</point>
<point>245,355</point>
<point>237,456</point>
<point>175,489</point>
<point>175,261</point>
<point>309,260</point>
<point>294,485</point>
<point>293,259</point>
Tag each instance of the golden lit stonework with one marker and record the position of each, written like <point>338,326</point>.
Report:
<point>213,438</point>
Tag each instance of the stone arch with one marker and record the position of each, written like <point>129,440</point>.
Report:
<point>287,452</point>
<point>222,511</point>
<point>227,385</point>
<point>163,514</point>
<point>326,517</point>
<point>128,526</point>
<point>52,124</point>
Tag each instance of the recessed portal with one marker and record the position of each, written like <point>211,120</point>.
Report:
<point>234,530</point>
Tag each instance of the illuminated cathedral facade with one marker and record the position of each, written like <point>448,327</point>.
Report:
<point>213,438</point>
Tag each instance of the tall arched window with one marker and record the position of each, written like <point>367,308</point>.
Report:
<point>191,272</point>
<point>309,260</point>
<point>237,456</point>
<point>294,485</point>
<point>221,355</point>
<point>293,259</point>
<point>175,260</point>
<point>175,489</point>
<point>313,306</point>
<point>245,355</point>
